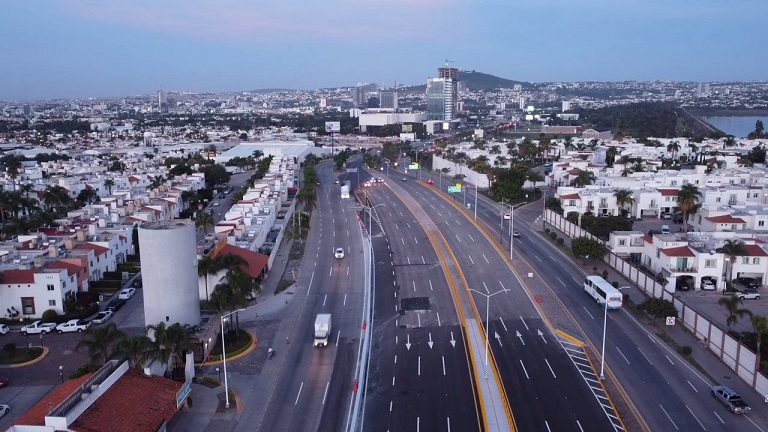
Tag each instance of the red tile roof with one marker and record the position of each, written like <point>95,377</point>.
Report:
<point>669,192</point>
<point>682,251</point>
<point>573,196</point>
<point>257,263</point>
<point>97,250</point>
<point>574,171</point>
<point>35,416</point>
<point>135,403</point>
<point>17,277</point>
<point>72,269</point>
<point>648,239</point>
<point>754,250</point>
<point>724,219</point>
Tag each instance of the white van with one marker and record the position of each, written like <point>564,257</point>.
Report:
<point>665,229</point>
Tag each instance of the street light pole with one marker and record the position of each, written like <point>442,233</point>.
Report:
<point>61,373</point>
<point>602,355</point>
<point>475,201</point>
<point>224,357</point>
<point>487,321</point>
<point>543,208</point>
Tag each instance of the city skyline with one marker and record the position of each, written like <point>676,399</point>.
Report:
<point>103,49</point>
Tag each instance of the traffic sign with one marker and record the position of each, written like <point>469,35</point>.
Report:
<point>351,170</point>
<point>356,208</point>
<point>670,321</point>
<point>454,189</point>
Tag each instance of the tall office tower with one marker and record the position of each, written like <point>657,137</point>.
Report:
<point>359,95</point>
<point>325,102</point>
<point>566,106</point>
<point>440,99</point>
<point>698,90</point>
<point>706,90</point>
<point>451,73</point>
<point>162,101</point>
<point>517,87</point>
<point>521,102</point>
<point>388,100</point>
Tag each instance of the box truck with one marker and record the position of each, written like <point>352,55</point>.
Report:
<point>322,329</point>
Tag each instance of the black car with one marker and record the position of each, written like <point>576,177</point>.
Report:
<point>749,282</point>
<point>115,305</point>
<point>137,283</point>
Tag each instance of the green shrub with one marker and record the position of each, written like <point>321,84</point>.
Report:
<point>9,348</point>
<point>112,275</point>
<point>50,316</point>
<point>594,269</point>
<point>552,235</point>
<point>615,284</point>
<point>560,241</point>
<point>686,350</point>
<point>658,308</point>
<point>546,230</point>
<point>605,274</point>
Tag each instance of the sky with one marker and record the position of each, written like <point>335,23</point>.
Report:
<point>102,48</point>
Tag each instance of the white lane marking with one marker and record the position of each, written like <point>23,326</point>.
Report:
<point>393,381</point>
<point>718,417</point>
<point>523,320</point>
<point>430,284</point>
<point>414,285</point>
<point>550,368</point>
<point>324,299</point>
<point>670,418</point>
<point>502,286</point>
<point>402,240</point>
<point>646,357</point>
<point>347,270</point>
<point>470,237</point>
<point>438,319</point>
<point>694,416</point>
<point>419,371</point>
<point>396,227</point>
<point>579,424</point>
<point>345,300</point>
<point>587,311</point>
<point>694,388</point>
<point>449,423</point>
<point>651,338</point>
<point>297,396</point>
<point>390,406</point>
<point>502,324</point>
<point>408,225</point>
<point>470,258</point>
<point>486,288</point>
<point>486,259</point>
<point>395,354</point>
<point>330,272</point>
<point>415,241</point>
<point>622,354</point>
<point>325,395</point>
<point>457,238</point>
<point>409,260</point>
<point>309,288</point>
<point>443,357</point>
<point>422,260</point>
<point>418,317</point>
<point>526,372</point>
<point>575,280</point>
<point>338,336</point>
<point>670,360</point>
<point>537,257</point>
<point>561,281</point>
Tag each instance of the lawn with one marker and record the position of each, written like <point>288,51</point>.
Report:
<point>19,355</point>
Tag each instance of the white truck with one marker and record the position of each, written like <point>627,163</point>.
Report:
<point>75,325</point>
<point>345,189</point>
<point>322,329</point>
<point>38,327</point>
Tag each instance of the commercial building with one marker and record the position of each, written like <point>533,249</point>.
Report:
<point>388,100</point>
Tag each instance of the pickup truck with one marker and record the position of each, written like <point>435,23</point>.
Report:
<point>730,399</point>
<point>75,325</point>
<point>38,327</point>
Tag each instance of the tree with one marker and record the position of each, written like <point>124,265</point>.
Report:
<point>87,196</point>
<point>587,247</point>
<point>215,174</point>
<point>624,197</point>
<point>732,310</point>
<point>534,177</point>
<point>56,198</point>
<point>307,195</point>
<point>171,341</point>
<point>100,342</point>
<point>11,164</point>
<point>584,178</point>
<point>658,308</point>
<point>204,221</point>
<point>732,248</point>
<point>205,267</point>
<point>140,349</point>
<point>109,183</point>
<point>760,326</point>
<point>673,147</point>
<point>688,201</point>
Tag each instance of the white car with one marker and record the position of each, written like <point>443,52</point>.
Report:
<point>215,203</point>
<point>102,317</point>
<point>707,284</point>
<point>507,216</point>
<point>127,293</point>
<point>339,253</point>
<point>748,295</point>
<point>74,325</point>
<point>4,409</point>
<point>4,329</point>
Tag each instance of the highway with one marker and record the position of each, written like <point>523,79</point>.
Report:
<point>315,388</point>
<point>663,387</point>
<point>420,375</point>
<point>530,359</point>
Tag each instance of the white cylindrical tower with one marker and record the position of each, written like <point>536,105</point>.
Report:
<point>169,272</point>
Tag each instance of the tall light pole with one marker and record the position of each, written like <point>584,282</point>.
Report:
<point>370,217</point>
<point>605,322</point>
<point>543,208</point>
<point>61,373</point>
<point>475,201</point>
<point>487,322</point>
<point>224,356</point>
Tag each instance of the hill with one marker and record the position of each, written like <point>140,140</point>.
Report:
<point>474,81</point>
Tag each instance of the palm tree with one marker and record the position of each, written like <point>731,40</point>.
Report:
<point>733,311</point>
<point>101,342</point>
<point>688,201</point>
<point>534,177</point>
<point>231,262</point>
<point>732,248</point>
<point>730,141</point>
<point>760,325</point>
<point>56,198</point>
<point>626,171</point>
<point>583,179</point>
<point>307,196</point>
<point>610,155</point>
<point>204,221</point>
<point>171,341</point>
<point>205,267</point>
<point>12,166</point>
<point>109,183</point>
<point>624,197</point>
<point>673,147</point>
<point>140,349</point>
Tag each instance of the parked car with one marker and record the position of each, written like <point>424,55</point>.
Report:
<point>127,293</point>
<point>4,409</point>
<point>748,294</point>
<point>38,327</point>
<point>707,284</point>
<point>730,399</point>
<point>666,215</point>
<point>4,381</point>
<point>115,304</point>
<point>4,329</point>
<point>75,325</point>
<point>102,317</point>
<point>749,282</point>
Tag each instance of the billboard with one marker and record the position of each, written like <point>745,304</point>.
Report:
<point>407,128</point>
<point>413,166</point>
<point>332,127</point>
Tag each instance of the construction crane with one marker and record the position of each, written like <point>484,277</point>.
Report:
<point>448,61</point>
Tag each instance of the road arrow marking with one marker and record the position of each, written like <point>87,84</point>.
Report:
<point>430,343</point>
<point>542,336</point>
<point>498,338</point>
<point>453,341</point>
<point>408,342</point>
<point>520,336</point>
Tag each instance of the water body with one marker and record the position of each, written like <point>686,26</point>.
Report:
<point>738,126</point>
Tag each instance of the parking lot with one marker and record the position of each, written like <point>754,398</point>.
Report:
<point>652,223</point>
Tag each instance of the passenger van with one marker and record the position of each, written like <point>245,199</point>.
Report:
<point>665,229</point>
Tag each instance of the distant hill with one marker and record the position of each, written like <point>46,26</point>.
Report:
<point>271,90</point>
<point>474,81</point>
